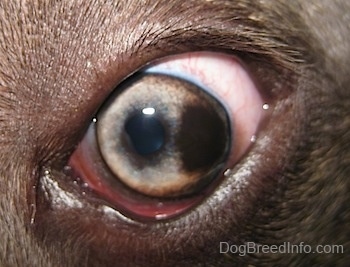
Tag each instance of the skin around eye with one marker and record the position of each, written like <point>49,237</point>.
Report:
<point>143,174</point>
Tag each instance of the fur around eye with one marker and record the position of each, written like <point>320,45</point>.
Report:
<point>198,123</point>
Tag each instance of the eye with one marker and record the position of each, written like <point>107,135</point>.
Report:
<point>163,136</point>
<point>162,141</point>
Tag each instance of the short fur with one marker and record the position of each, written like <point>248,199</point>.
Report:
<point>59,60</point>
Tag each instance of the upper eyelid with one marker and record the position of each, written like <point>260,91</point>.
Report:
<point>238,28</point>
<point>204,33</point>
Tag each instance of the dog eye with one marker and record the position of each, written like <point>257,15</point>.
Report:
<point>163,139</point>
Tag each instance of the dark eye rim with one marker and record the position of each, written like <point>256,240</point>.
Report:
<point>271,94</point>
<point>214,185</point>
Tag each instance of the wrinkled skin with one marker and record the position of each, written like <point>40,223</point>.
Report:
<point>59,60</point>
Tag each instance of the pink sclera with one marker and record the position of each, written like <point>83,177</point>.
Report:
<point>227,79</point>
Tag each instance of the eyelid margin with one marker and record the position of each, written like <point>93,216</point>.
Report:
<point>195,61</point>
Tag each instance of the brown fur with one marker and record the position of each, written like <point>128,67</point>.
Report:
<point>298,187</point>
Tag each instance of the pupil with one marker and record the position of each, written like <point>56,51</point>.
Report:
<point>146,133</point>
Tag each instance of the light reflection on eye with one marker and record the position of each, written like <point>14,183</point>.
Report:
<point>164,138</point>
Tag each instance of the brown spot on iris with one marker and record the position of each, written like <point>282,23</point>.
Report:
<point>203,136</point>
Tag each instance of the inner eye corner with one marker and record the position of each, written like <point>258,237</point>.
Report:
<point>167,137</point>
